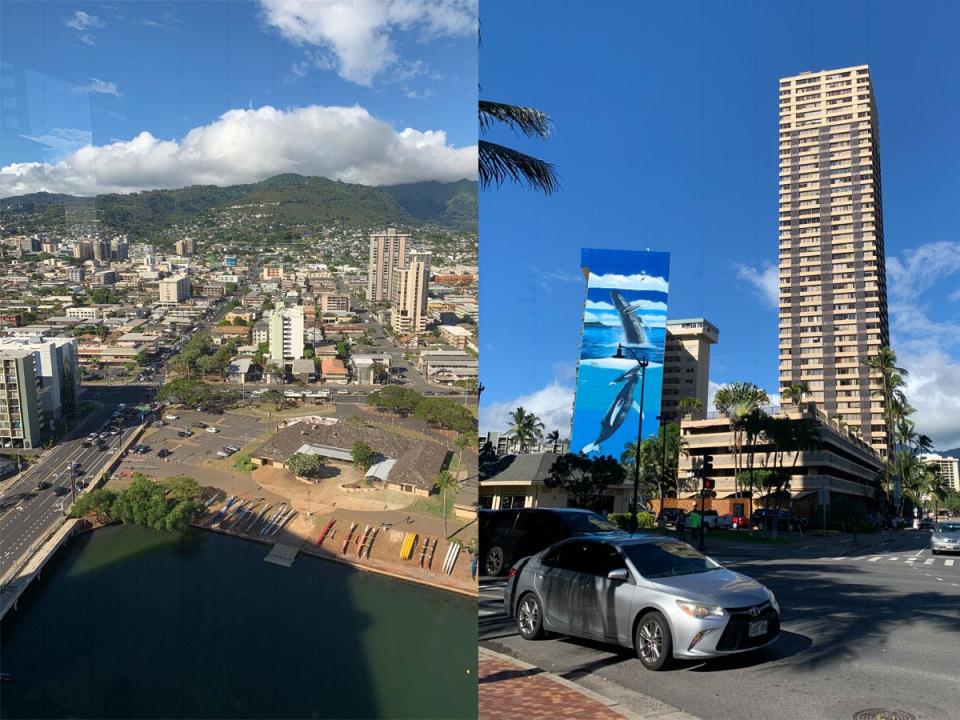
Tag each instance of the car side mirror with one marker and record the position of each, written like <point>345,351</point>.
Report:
<point>620,574</point>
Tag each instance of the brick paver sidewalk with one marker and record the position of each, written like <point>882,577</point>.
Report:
<point>514,690</point>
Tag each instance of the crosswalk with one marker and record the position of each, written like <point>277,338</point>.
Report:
<point>915,560</point>
<point>491,598</point>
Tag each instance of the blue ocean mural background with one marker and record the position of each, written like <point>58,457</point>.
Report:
<point>626,305</point>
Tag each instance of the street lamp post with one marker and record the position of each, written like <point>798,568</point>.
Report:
<point>643,363</point>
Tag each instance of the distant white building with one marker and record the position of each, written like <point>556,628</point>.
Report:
<point>286,333</point>
<point>174,290</point>
<point>949,468</point>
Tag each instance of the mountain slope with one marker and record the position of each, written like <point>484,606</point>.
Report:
<point>452,205</point>
<point>292,199</point>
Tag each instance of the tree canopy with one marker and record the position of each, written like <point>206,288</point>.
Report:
<point>585,478</point>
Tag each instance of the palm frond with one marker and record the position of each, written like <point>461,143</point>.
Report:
<point>525,120</point>
<point>499,164</point>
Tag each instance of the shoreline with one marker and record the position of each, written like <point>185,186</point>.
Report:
<point>373,568</point>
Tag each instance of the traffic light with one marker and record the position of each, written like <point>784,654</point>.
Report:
<point>709,483</point>
<point>707,467</point>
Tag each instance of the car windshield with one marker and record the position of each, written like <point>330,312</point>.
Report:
<point>587,524</point>
<point>948,528</point>
<point>668,559</point>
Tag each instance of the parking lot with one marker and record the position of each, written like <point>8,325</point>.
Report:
<point>201,445</point>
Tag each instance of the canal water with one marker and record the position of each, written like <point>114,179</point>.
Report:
<point>131,623</point>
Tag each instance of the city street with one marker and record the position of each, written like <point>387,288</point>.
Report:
<point>878,628</point>
<point>27,513</point>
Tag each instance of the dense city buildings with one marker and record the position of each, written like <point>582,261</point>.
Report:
<point>833,294</point>
<point>686,364</point>
<point>408,299</point>
<point>388,252</point>
<point>286,333</point>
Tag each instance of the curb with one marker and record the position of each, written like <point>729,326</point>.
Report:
<point>663,711</point>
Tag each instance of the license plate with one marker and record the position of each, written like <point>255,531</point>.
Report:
<point>757,628</point>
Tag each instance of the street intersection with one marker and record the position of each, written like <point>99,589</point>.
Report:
<point>876,626</point>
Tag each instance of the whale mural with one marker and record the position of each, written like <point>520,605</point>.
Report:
<point>624,321</point>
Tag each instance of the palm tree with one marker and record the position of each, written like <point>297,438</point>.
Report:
<point>795,392</point>
<point>444,482</point>
<point>690,405</point>
<point>552,438</point>
<point>736,401</point>
<point>884,364</point>
<point>499,163</point>
<point>526,430</point>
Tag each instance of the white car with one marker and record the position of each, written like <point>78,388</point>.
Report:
<point>212,429</point>
<point>171,418</point>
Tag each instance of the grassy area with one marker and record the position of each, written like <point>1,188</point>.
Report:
<point>242,463</point>
<point>432,506</point>
<point>748,537</point>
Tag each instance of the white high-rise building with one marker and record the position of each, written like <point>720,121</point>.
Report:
<point>948,467</point>
<point>55,364</point>
<point>286,333</point>
<point>174,290</point>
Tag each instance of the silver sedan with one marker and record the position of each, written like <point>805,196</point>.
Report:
<point>652,593</point>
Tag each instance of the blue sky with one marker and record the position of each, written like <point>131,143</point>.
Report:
<point>102,73</point>
<point>665,138</point>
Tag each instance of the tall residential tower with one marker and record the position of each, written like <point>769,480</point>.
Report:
<point>833,290</point>
<point>388,252</point>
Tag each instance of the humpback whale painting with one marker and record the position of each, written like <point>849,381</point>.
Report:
<point>626,308</point>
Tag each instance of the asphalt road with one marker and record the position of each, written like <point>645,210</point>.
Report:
<point>27,514</point>
<point>876,629</point>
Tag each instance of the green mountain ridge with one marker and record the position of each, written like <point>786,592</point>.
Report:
<point>290,198</point>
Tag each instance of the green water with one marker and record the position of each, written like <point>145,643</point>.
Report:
<point>131,623</point>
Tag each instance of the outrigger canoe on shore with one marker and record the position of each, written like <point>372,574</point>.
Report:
<point>325,531</point>
<point>346,540</point>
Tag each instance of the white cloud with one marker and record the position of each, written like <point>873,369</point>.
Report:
<point>345,143</point>
<point>84,24</point>
<point>101,87</point>
<point>929,349</point>
<point>651,283</point>
<point>765,282</point>
<point>82,21</point>
<point>553,404</point>
<point>357,34</point>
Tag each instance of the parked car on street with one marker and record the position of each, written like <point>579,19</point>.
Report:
<point>655,594</point>
<point>786,520</point>
<point>926,524</point>
<point>670,515</point>
<point>715,521</point>
<point>945,537</point>
<point>508,535</point>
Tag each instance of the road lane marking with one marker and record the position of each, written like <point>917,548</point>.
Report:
<point>948,562</point>
<point>874,559</point>
<point>894,558</point>
<point>940,579</point>
<point>910,560</point>
<point>928,561</point>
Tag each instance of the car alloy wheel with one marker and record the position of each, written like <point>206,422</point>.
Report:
<point>529,617</point>
<point>494,561</point>
<point>653,641</point>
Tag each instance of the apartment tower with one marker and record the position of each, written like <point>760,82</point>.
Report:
<point>408,301</point>
<point>286,333</point>
<point>686,364</point>
<point>833,290</point>
<point>388,252</point>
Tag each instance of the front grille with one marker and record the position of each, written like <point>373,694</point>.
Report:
<point>736,634</point>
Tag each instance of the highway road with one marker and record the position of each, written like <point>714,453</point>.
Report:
<point>879,628</point>
<point>27,513</point>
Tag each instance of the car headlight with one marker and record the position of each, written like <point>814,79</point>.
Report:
<point>773,601</point>
<point>701,611</point>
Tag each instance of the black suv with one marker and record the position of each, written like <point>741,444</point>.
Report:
<point>507,536</point>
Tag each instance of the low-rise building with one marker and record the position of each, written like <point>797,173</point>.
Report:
<point>456,335</point>
<point>334,371</point>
